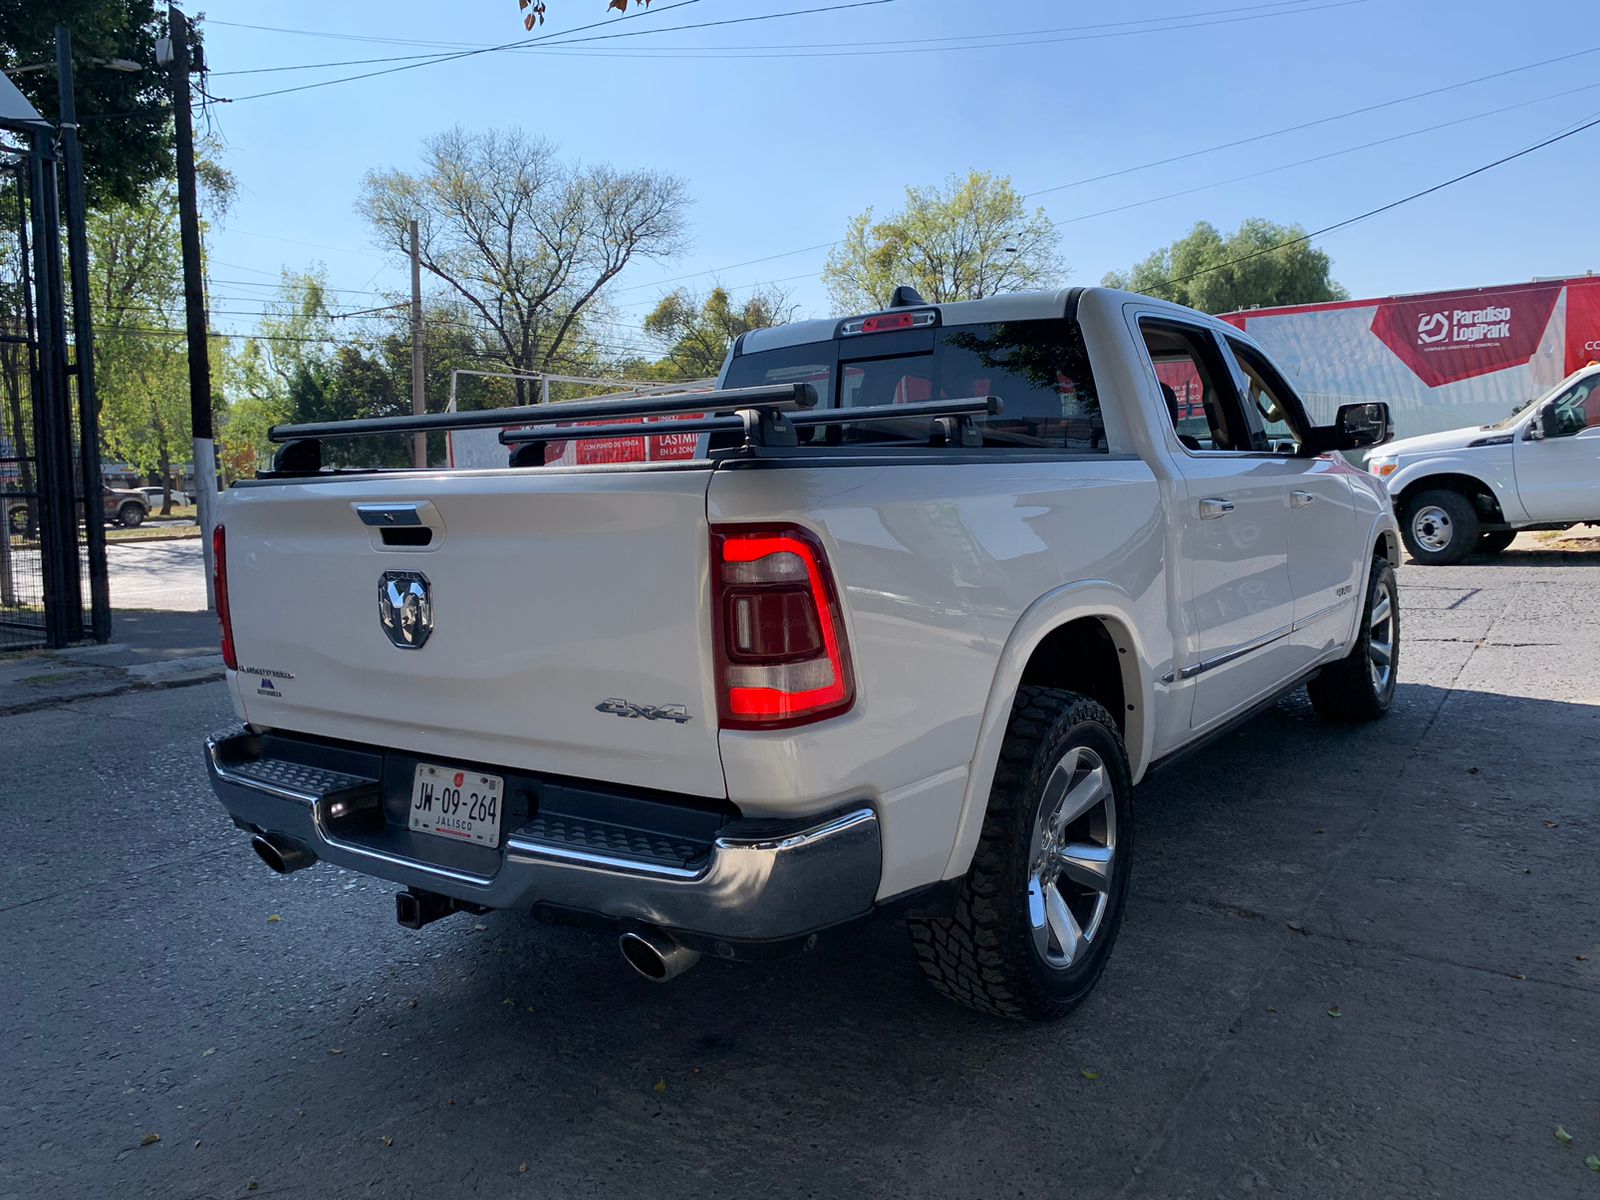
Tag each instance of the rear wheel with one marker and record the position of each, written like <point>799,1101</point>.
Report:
<point>1440,527</point>
<point>1493,543</point>
<point>1360,686</point>
<point>1040,906</point>
<point>131,516</point>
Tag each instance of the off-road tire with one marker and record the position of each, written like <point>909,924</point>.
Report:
<point>1347,690</point>
<point>984,956</point>
<point>1465,527</point>
<point>130,516</point>
<point>1495,541</point>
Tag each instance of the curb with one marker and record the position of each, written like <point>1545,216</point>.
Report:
<point>133,683</point>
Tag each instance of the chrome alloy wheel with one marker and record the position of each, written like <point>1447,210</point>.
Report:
<point>1070,858</point>
<point>1432,528</point>
<point>1381,637</point>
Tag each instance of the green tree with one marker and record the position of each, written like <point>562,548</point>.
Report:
<point>1251,267</point>
<point>279,373</point>
<point>695,331</point>
<point>524,241</point>
<point>141,366</point>
<point>125,118</point>
<point>970,238</point>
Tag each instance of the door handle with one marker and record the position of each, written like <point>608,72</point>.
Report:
<point>1300,499</point>
<point>1215,506</point>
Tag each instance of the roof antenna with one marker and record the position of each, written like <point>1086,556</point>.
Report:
<point>906,296</point>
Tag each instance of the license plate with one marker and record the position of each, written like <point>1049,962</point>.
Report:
<point>461,805</point>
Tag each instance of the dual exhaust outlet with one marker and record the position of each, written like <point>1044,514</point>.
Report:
<point>654,953</point>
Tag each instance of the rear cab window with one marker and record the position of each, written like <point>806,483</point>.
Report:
<point>1038,368</point>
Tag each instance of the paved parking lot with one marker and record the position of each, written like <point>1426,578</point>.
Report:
<point>1358,962</point>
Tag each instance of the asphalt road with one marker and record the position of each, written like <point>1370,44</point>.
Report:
<point>1358,962</point>
<point>165,575</point>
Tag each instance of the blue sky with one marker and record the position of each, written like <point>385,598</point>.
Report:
<point>780,150</point>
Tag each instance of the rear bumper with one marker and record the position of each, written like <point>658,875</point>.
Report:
<point>748,881</point>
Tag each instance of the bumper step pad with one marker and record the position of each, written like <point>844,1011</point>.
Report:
<point>564,833</point>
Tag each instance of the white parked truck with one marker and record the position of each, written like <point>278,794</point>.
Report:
<point>938,587</point>
<point>1469,491</point>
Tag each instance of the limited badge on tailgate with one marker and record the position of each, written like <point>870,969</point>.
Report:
<point>457,804</point>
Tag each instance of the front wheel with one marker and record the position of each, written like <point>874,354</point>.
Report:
<point>1440,528</point>
<point>1495,542</point>
<point>1360,686</point>
<point>1040,906</point>
<point>131,516</point>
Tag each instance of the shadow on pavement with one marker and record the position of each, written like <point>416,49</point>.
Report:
<point>1343,943</point>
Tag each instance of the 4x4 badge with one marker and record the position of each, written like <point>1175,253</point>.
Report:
<point>650,712</point>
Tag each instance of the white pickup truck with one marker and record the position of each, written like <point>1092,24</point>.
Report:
<point>1469,491</point>
<point>937,587</point>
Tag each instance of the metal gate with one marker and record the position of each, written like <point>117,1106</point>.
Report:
<point>52,551</point>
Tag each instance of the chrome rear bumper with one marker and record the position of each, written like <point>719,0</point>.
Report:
<point>750,881</point>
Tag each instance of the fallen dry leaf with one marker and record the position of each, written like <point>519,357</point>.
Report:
<point>522,1169</point>
<point>1088,1074</point>
<point>661,1086</point>
<point>208,1053</point>
<point>1592,1163</point>
<point>335,1050</point>
<point>388,1141</point>
<point>1563,1136</point>
<point>150,1139</point>
<point>1336,1012</point>
<point>274,919</point>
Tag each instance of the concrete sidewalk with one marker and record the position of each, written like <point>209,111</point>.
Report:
<point>147,650</point>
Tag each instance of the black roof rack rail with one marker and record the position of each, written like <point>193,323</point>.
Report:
<point>777,397</point>
<point>771,427</point>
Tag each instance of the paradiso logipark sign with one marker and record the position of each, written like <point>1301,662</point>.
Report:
<point>1464,325</point>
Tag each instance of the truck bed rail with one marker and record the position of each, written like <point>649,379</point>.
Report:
<point>770,427</point>
<point>729,400</point>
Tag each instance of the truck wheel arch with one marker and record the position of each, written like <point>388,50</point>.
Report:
<point>1469,485</point>
<point>1092,616</point>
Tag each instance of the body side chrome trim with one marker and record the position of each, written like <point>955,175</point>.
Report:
<point>1312,618</point>
<point>1221,660</point>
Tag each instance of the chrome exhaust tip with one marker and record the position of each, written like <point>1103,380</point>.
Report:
<point>656,955</point>
<point>282,854</point>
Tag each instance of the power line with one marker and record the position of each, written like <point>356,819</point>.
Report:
<point>1588,123</point>
<point>1368,108</point>
<point>907,45</point>
<point>1354,112</point>
<point>465,53</point>
<point>358,37</point>
<point>1316,158</point>
<point>567,39</point>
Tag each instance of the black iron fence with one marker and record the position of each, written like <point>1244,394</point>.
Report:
<point>52,556</point>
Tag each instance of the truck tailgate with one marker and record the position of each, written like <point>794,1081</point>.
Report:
<point>551,593</point>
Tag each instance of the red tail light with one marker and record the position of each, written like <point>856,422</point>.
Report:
<point>219,559</point>
<point>782,658</point>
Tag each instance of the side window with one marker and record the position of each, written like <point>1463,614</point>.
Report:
<point>1281,415</point>
<point>1197,386</point>
<point>1578,408</point>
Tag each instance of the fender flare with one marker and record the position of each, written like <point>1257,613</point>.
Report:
<point>1384,526</point>
<point>1097,599</point>
<point>1504,492</point>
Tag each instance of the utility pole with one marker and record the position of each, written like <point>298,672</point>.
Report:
<point>419,400</point>
<point>194,300</point>
<point>94,528</point>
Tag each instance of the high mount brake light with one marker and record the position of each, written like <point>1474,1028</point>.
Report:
<point>219,559</point>
<point>781,655</point>
<point>888,322</point>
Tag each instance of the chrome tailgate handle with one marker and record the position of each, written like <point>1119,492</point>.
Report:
<point>1213,507</point>
<point>1300,499</point>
